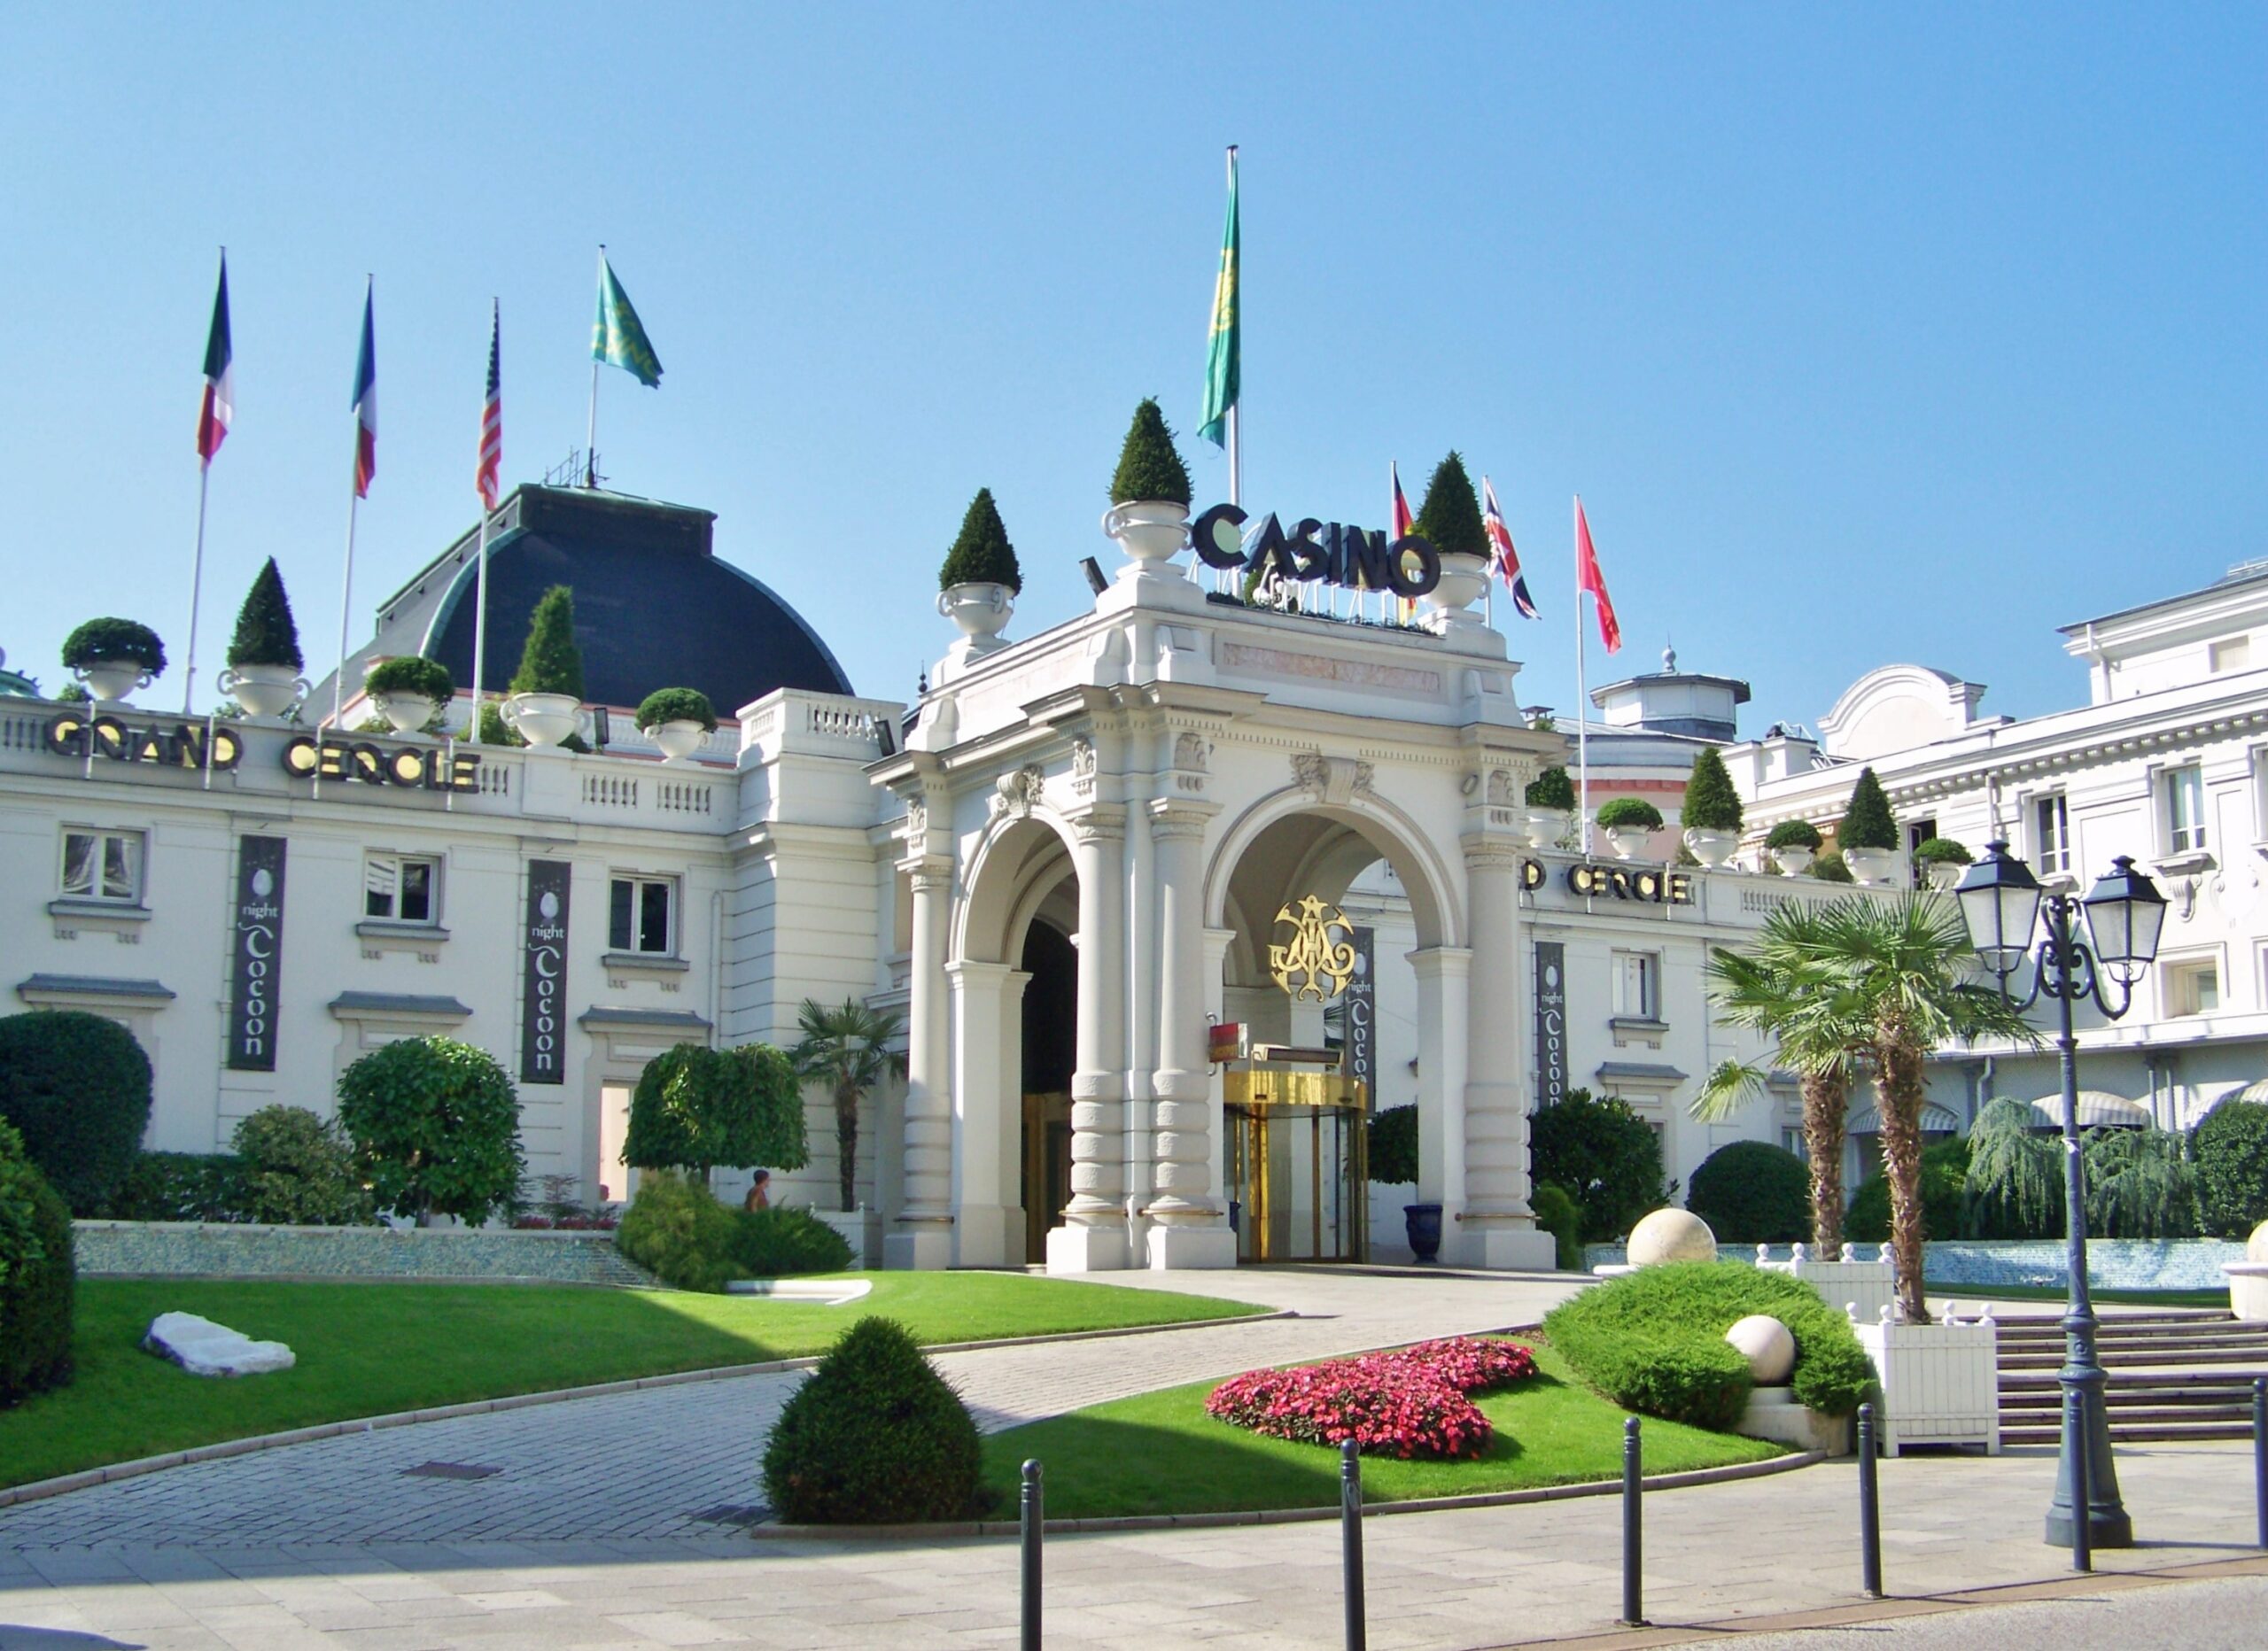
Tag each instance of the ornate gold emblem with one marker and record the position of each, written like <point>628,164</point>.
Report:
<point>1314,965</point>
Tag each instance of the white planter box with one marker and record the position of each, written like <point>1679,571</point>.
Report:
<point>852,1225</point>
<point>1940,1383</point>
<point>1864,1287</point>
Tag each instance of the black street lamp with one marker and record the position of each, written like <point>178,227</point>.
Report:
<point>2001,901</point>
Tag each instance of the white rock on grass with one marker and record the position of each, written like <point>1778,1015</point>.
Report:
<point>203,1348</point>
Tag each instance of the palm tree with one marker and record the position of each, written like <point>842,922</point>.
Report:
<point>1783,988</point>
<point>1906,963</point>
<point>848,1050</point>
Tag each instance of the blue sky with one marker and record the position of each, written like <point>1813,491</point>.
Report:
<point>1865,334</point>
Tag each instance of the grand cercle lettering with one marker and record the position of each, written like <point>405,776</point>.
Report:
<point>1646,884</point>
<point>1351,556</point>
<point>220,748</point>
<point>184,744</point>
<point>412,767</point>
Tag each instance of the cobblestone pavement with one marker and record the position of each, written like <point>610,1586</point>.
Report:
<point>1753,1549</point>
<point>678,1461</point>
<point>2221,1615</point>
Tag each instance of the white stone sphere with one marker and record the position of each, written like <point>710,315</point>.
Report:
<point>1766,1344</point>
<point>2256,1248</point>
<point>1671,1236</point>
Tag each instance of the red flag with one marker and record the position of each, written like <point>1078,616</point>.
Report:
<point>1587,577</point>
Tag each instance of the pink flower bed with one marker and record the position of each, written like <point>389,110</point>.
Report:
<point>1407,1403</point>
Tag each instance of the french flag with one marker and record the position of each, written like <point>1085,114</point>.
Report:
<point>1507,559</point>
<point>366,405</point>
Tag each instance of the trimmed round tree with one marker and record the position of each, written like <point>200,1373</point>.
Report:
<point>1553,789</point>
<point>411,673</point>
<point>106,639</point>
<point>1450,516</point>
<point>980,554</point>
<point>695,1108</point>
<point>1794,834</point>
<point>1711,801</point>
<point>1752,1192</point>
<point>1831,868</point>
<point>77,1088</point>
<point>436,1126</point>
<point>2231,1148</point>
<point>1149,465</point>
<point>1622,813</point>
<point>666,705</point>
<point>876,1436</point>
<point>37,1276</point>
<point>1867,820</point>
<point>1604,1155</point>
<point>265,633</point>
<point>1942,851</point>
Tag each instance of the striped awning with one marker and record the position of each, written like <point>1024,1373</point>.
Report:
<point>2254,1092</point>
<point>1935,1120</point>
<point>2099,1109</point>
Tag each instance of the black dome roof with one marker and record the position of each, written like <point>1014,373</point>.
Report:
<point>654,606</point>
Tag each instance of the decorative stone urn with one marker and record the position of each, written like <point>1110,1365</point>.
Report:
<point>982,610</point>
<point>1446,605</point>
<point>1872,866</point>
<point>1712,848</point>
<point>1944,874</point>
<point>1421,1224</point>
<point>1794,861</point>
<point>264,690</point>
<point>110,680</point>
<point>682,737</point>
<point>1627,841</point>
<point>405,713</point>
<point>542,719</point>
<point>1148,529</point>
<point>1546,827</point>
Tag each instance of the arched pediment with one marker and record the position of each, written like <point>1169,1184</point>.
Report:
<point>1897,709</point>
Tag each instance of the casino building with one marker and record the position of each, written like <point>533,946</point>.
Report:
<point>1169,897</point>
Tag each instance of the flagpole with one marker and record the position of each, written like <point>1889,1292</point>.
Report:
<point>479,621</point>
<point>1582,698</point>
<point>591,440</point>
<point>345,608</point>
<point>195,584</point>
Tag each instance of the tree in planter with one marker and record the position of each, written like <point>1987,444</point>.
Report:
<point>1149,465</point>
<point>1552,788</point>
<point>848,1050</point>
<point>980,554</point>
<point>1711,801</point>
<point>412,674</point>
<point>665,705</point>
<point>265,633</point>
<point>550,663</point>
<point>1942,851</point>
<point>1791,834</point>
<point>1867,820</point>
<point>435,1128</point>
<point>1450,516</point>
<point>1626,813</point>
<point>695,1108</point>
<point>1831,868</point>
<point>77,1088</point>
<point>1604,1155</point>
<point>107,639</point>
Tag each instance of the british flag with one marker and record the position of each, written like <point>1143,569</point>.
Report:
<point>1507,560</point>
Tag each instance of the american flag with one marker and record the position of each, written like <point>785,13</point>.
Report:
<point>492,414</point>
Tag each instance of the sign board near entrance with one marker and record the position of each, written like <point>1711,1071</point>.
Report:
<point>1363,1013</point>
<point>259,954</point>
<point>543,1010</point>
<point>1551,1022</point>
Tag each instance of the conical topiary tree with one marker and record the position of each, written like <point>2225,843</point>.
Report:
<point>551,662</point>
<point>265,633</point>
<point>1149,465</point>
<point>1450,516</point>
<point>1866,822</point>
<point>980,554</point>
<point>1710,803</point>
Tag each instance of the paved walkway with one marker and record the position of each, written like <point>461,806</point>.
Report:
<point>675,1461</point>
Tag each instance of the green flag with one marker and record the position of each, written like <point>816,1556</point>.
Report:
<point>1221,363</point>
<point>616,337</point>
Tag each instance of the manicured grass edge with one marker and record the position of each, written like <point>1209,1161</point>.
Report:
<point>1298,1516</point>
<point>63,1483</point>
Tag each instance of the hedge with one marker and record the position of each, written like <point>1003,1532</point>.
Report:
<point>1556,1214</point>
<point>37,1279</point>
<point>1653,1341</point>
<point>677,1232</point>
<point>294,1168</point>
<point>783,1241</point>
<point>77,1087</point>
<point>876,1436</point>
<point>1752,1192</point>
<point>2231,1148</point>
<point>1393,1145</point>
<point>178,1187</point>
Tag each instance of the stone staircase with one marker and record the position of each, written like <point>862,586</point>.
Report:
<point>2173,1376</point>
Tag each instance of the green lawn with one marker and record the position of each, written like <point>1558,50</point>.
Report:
<point>1160,1453</point>
<point>369,1349</point>
<point>2056,1292</point>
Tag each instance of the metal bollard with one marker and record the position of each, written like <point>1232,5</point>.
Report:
<point>2260,1455</point>
<point>2075,1425</point>
<point>1869,1509</point>
<point>1634,1612</point>
<point>1350,1531</point>
<point>1035,1522</point>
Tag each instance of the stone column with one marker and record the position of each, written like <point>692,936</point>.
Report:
<point>1441,972</point>
<point>1192,1228</point>
<point>1092,1239</point>
<point>1498,1229</point>
<point>988,1118</point>
<point>922,1237</point>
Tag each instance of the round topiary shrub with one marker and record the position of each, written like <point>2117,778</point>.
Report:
<point>979,553</point>
<point>1712,802</point>
<point>1867,821</point>
<point>677,1232</point>
<point>1943,851</point>
<point>1556,1214</point>
<point>1794,834</point>
<point>106,639</point>
<point>436,1126</point>
<point>295,1168</point>
<point>410,673</point>
<point>1944,1175</point>
<point>875,1437</point>
<point>782,1242</point>
<point>77,1087</point>
<point>2231,1148</point>
<point>1393,1145</point>
<point>665,705</point>
<point>265,633</point>
<point>1752,1192</point>
<point>1149,465</point>
<point>1551,789</point>
<point>1623,812</point>
<point>1604,1155</point>
<point>1831,868</point>
<point>37,1277</point>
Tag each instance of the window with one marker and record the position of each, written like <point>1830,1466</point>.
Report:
<point>1917,832</point>
<point>2184,810</point>
<point>103,866</point>
<point>640,918</point>
<point>401,889</point>
<point>2051,834</point>
<point>1637,985</point>
<point>2192,987</point>
<point>1791,1141</point>
<point>2235,653</point>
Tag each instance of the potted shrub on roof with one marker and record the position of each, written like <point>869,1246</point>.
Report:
<point>677,720</point>
<point>1451,517</point>
<point>1551,799</point>
<point>547,691</point>
<point>1867,835</point>
<point>1793,843</point>
<point>264,660</point>
<point>1713,812</point>
<point>113,657</point>
<point>1149,492</point>
<point>1628,821</point>
<point>1943,860</point>
<point>408,690</point>
<point>978,583</point>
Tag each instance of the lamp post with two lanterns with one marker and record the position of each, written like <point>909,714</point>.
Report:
<point>2002,904</point>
